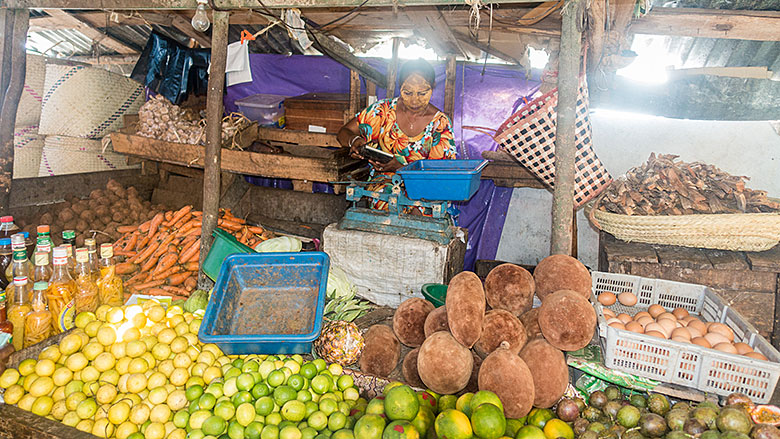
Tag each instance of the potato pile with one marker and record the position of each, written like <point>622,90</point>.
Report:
<point>160,119</point>
<point>98,215</point>
<point>677,325</point>
<point>488,337</point>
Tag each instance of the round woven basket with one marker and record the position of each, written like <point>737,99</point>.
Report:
<point>753,232</point>
<point>29,111</point>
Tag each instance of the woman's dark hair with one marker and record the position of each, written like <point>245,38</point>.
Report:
<point>419,66</point>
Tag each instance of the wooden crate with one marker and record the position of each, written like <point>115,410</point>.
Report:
<point>328,110</point>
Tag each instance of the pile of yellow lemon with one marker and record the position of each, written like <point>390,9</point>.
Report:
<point>120,369</point>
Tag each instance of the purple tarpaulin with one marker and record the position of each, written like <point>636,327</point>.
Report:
<point>480,100</point>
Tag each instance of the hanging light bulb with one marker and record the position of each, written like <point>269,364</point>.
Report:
<point>200,21</point>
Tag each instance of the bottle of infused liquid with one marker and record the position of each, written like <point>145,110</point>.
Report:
<point>110,285</point>
<point>87,294</point>
<point>43,241</point>
<point>61,292</point>
<point>6,259</point>
<point>21,266</point>
<point>19,309</point>
<point>7,226</point>
<point>94,259</point>
<point>43,269</point>
<point>37,325</point>
<point>6,327</point>
<point>69,241</point>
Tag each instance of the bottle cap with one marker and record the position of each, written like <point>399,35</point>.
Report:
<point>40,286</point>
<point>17,239</point>
<point>60,252</point>
<point>7,219</point>
<point>106,251</point>
<point>68,234</point>
<point>5,241</point>
<point>26,235</point>
<point>43,229</point>
<point>21,280</point>
<point>82,255</point>
<point>41,258</point>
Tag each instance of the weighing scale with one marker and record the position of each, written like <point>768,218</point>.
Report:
<point>438,227</point>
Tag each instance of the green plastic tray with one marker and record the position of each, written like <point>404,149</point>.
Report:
<point>223,246</point>
<point>435,293</point>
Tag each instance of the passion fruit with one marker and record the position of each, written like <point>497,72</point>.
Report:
<point>567,410</point>
<point>739,398</point>
<point>766,414</point>
<point>628,416</point>
<point>706,415</point>
<point>589,435</point>
<point>658,404</point>
<point>580,404</point>
<point>596,427</point>
<point>765,431</point>
<point>694,427</point>
<point>681,406</point>
<point>676,418</point>
<point>592,414</point>
<point>598,399</point>
<point>677,434</point>
<point>613,393</point>
<point>633,434</point>
<point>611,408</point>
<point>733,435</point>
<point>638,400</point>
<point>710,434</point>
<point>734,420</point>
<point>580,426</point>
<point>652,425</point>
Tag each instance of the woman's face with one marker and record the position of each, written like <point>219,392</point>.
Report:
<point>416,93</point>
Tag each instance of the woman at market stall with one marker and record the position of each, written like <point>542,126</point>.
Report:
<point>409,127</point>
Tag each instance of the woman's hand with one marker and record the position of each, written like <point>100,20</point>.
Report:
<point>356,144</point>
<point>391,166</point>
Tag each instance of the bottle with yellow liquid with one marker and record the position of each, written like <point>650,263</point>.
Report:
<point>86,288</point>
<point>37,325</point>
<point>43,268</point>
<point>111,287</point>
<point>19,309</point>
<point>61,293</point>
<point>21,265</point>
<point>94,259</point>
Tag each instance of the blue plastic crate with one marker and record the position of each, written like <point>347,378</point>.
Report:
<point>442,180</point>
<point>267,303</point>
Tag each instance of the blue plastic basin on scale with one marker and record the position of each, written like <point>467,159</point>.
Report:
<point>442,180</point>
<point>267,303</point>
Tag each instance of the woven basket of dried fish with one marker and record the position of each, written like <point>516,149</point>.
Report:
<point>670,202</point>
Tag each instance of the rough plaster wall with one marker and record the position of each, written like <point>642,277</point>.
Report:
<point>623,141</point>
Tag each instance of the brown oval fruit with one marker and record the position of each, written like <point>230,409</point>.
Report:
<point>561,272</point>
<point>465,307</point>
<point>443,364</point>
<point>549,370</point>
<point>473,385</point>
<point>381,352</point>
<point>510,287</point>
<point>497,326</point>
<point>567,320</point>
<point>409,321</point>
<point>507,375</point>
<point>436,321</point>
<point>531,323</point>
<point>409,368</point>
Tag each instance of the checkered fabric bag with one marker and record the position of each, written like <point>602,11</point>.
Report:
<point>529,136</point>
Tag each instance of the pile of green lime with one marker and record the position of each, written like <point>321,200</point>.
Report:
<point>273,399</point>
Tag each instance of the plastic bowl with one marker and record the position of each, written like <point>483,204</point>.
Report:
<point>435,293</point>
<point>224,245</point>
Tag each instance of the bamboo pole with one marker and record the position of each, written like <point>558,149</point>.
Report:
<point>449,86</point>
<point>213,155</point>
<point>565,146</point>
<point>392,70</point>
<point>10,103</point>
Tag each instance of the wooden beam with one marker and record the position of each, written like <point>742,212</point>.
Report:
<point>354,95</point>
<point>226,4</point>
<point>449,86</point>
<point>298,137</point>
<point>213,152</point>
<point>710,23</point>
<point>345,57</point>
<point>98,19</point>
<point>91,32</point>
<point>432,25</point>
<point>565,127</point>
<point>392,70</point>
<point>17,40</point>
<point>6,43</point>
<point>485,48</point>
<point>182,22</point>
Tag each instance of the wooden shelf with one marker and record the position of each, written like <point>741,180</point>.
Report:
<point>336,165</point>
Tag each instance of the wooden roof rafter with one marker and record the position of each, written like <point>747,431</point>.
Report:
<point>225,4</point>
<point>92,32</point>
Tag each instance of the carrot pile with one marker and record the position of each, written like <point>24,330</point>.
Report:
<point>162,255</point>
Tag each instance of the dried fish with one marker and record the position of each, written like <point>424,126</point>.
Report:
<point>665,186</point>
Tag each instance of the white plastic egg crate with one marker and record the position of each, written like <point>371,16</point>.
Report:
<point>686,364</point>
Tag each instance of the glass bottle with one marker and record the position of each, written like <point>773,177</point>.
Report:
<point>61,292</point>
<point>43,241</point>
<point>6,259</point>
<point>69,239</point>
<point>37,325</point>
<point>29,245</point>
<point>86,288</point>
<point>7,227</point>
<point>21,265</point>
<point>6,327</point>
<point>43,268</point>
<point>19,309</point>
<point>110,285</point>
<point>94,260</point>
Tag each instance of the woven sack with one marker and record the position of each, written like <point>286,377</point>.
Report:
<point>87,102</point>
<point>29,111</point>
<point>529,135</point>
<point>73,155</point>
<point>28,148</point>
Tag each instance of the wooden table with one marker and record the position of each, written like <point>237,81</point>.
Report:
<point>748,281</point>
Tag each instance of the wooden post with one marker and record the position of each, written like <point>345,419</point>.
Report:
<point>370,88</point>
<point>565,146</point>
<point>449,86</point>
<point>18,38</point>
<point>213,155</point>
<point>6,39</point>
<point>354,94</point>
<point>392,70</point>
